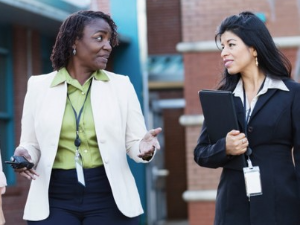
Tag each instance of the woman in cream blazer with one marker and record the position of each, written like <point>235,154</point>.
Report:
<point>118,122</point>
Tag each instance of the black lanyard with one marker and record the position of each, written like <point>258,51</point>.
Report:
<point>247,117</point>
<point>77,141</point>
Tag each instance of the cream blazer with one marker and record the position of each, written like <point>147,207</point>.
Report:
<point>2,178</point>
<point>119,125</point>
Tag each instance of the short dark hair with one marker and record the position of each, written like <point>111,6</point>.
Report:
<point>254,33</point>
<point>71,29</point>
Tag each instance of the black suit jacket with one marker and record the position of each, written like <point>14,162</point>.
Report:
<point>273,131</point>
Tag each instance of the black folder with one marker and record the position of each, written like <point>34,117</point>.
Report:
<point>219,113</point>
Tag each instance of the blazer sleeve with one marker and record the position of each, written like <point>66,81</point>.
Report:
<point>3,182</point>
<point>135,124</point>
<point>214,155</point>
<point>296,130</point>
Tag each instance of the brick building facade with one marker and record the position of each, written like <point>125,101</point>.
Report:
<point>177,29</point>
<point>166,86</point>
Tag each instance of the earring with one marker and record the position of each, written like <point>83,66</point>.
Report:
<point>256,61</point>
<point>74,51</point>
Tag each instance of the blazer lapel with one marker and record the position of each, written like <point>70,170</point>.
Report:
<point>262,100</point>
<point>98,101</point>
<point>105,113</point>
<point>49,113</point>
<point>56,96</point>
<point>104,106</point>
<point>240,113</point>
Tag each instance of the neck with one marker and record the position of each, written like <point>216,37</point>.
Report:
<point>252,84</point>
<point>79,73</point>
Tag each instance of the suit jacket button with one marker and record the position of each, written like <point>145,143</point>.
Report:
<point>250,129</point>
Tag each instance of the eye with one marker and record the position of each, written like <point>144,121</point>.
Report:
<point>231,44</point>
<point>99,38</point>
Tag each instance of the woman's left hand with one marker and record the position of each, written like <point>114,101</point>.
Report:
<point>149,144</point>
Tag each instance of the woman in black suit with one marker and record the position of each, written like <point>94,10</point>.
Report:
<point>267,102</point>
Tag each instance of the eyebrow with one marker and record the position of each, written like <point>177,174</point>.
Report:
<point>230,39</point>
<point>102,31</point>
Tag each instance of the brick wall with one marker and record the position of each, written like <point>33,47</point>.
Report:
<point>201,18</point>
<point>202,71</point>
<point>201,213</point>
<point>163,34</point>
<point>163,26</point>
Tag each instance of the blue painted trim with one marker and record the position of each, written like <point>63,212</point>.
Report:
<point>127,57</point>
<point>127,62</point>
<point>62,5</point>
<point>3,51</point>
<point>46,49</point>
<point>262,16</point>
<point>11,108</point>
<point>8,116</point>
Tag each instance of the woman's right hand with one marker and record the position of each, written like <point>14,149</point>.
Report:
<point>236,143</point>
<point>24,172</point>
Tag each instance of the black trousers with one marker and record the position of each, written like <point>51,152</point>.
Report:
<point>73,204</point>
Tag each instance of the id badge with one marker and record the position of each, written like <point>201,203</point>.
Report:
<point>79,169</point>
<point>252,181</point>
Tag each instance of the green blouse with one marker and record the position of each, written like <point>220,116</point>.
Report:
<point>89,149</point>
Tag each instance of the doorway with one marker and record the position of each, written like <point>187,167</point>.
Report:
<point>167,172</point>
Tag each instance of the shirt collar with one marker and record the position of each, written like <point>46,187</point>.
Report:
<point>64,76</point>
<point>270,83</point>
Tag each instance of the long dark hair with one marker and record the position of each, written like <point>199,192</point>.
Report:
<point>254,33</point>
<point>71,29</point>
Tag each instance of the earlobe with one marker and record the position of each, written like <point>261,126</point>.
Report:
<point>254,52</point>
<point>255,56</point>
<point>75,43</point>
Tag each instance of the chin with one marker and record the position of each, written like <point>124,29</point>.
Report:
<point>101,67</point>
<point>232,72</point>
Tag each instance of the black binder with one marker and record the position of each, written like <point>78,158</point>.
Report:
<point>219,113</point>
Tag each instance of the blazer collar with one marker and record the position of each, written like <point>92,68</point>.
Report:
<point>63,76</point>
<point>240,112</point>
<point>271,85</point>
<point>262,100</point>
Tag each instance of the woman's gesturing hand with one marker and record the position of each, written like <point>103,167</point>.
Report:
<point>149,144</point>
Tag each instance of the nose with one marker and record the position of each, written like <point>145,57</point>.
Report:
<point>107,46</point>
<point>224,52</point>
